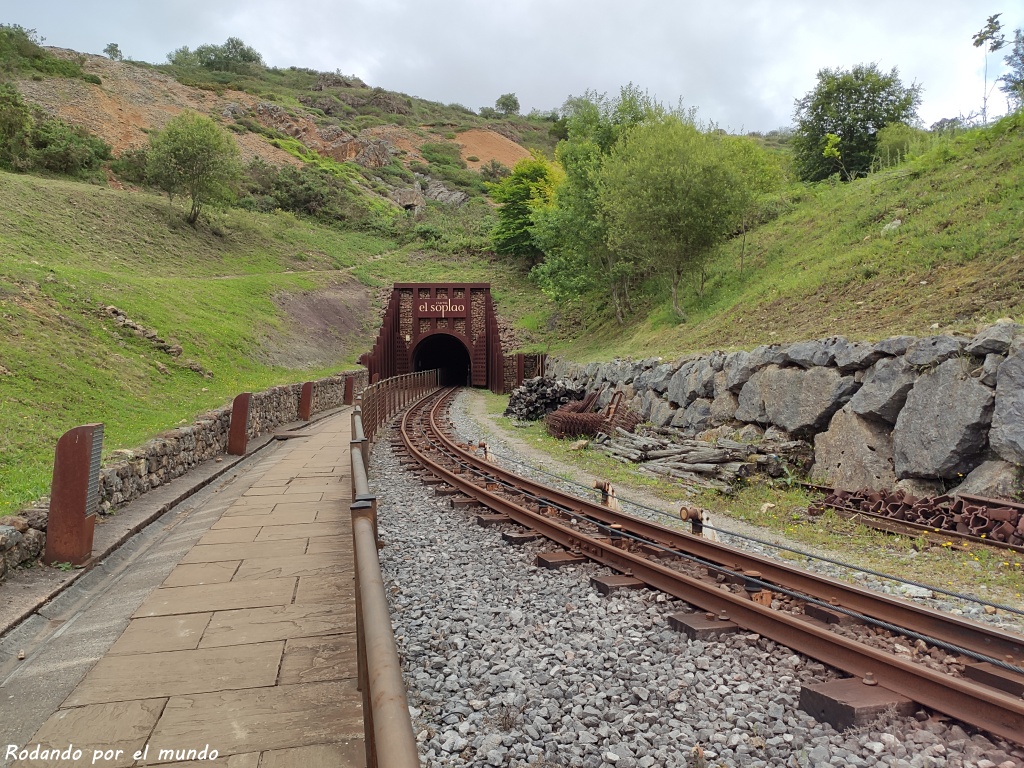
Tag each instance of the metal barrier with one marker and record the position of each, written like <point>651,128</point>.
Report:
<point>390,742</point>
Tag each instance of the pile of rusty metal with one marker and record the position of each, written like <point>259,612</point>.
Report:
<point>993,519</point>
<point>578,419</point>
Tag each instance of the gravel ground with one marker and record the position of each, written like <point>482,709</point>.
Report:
<point>511,665</point>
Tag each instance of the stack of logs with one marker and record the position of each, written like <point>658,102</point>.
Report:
<point>539,396</point>
<point>666,451</point>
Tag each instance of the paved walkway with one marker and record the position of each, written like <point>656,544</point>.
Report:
<point>247,647</point>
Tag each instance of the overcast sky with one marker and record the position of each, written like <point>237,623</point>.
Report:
<point>741,62</point>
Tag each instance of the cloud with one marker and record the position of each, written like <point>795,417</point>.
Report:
<point>742,63</point>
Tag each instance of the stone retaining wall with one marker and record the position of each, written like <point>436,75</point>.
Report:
<point>924,414</point>
<point>129,474</point>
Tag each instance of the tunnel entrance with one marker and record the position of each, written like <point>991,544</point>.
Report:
<point>446,353</point>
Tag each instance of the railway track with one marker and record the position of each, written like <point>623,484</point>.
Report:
<point>948,648</point>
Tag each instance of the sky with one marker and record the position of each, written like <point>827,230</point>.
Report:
<point>742,63</point>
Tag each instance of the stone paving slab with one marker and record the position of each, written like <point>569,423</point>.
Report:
<point>309,564</point>
<point>171,673</point>
<point>162,633</point>
<point>217,597</point>
<point>312,659</point>
<point>259,719</point>
<point>218,552</point>
<point>202,573</point>
<point>259,625</point>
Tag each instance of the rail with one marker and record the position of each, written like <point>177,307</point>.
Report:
<point>390,741</point>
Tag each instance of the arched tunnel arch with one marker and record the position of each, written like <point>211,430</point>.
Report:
<point>445,352</point>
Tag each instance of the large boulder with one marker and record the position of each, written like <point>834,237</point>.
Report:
<point>810,354</point>
<point>884,390</point>
<point>661,413</point>
<point>995,339</point>
<point>738,370</point>
<point>943,428</point>
<point>994,479</point>
<point>799,401</point>
<point>895,346</point>
<point>694,379</point>
<point>695,417</point>
<point>655,379</point>
<point>1007,435</point>
<point>854,453</point>
<point>854,356</point>
<point>933,350</point>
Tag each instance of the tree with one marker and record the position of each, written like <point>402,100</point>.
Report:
<point>992,38</point>
<point>194,156</point>
<point>233,56</point>
<point>530,185</point>
<point>507,104</point>
<point>1013,81</point>
<point>15,128</point>
<point>113,52</point>
<point>670,194</point>
<point>852,105</point>
<point>570,230</point>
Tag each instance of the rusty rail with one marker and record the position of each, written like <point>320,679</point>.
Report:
<point>390,742</point>
<point>985,707</point>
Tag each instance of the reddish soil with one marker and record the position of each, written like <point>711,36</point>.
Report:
<point>488,145</point>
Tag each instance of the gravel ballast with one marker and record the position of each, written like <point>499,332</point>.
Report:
<point>511,665</point>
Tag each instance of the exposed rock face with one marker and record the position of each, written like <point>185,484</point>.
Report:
<point>937,391</point>
<point>661,413</point>
<point>993,479</point>
<point>944,425</point>
<point>410,199</point>
<point>854,453</point>
<point>1007,436</point>
<point>438,191</point>
<point>799,401</point>
<point>884,390</point>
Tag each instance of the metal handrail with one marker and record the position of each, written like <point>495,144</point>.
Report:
<point>390,742</point>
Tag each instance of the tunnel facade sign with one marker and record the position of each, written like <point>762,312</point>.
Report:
<point>442,307</point>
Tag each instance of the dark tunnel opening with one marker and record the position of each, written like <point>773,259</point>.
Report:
<point>445,353</point>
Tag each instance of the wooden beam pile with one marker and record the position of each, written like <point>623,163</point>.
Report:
<point>665,451</point>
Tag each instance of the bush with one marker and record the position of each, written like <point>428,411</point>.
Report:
<point>131,164</point>
<point>898,142</point>
<point>91,78</point>
<point>65,149</point>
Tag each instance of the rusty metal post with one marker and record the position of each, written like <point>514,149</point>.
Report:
<point>350,388</point>
<point>306,401</point>
<point>74,496</point>
<point>238,435</point>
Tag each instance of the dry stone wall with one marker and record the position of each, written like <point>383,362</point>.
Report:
<point>129,474</point>
<point>925,414</point>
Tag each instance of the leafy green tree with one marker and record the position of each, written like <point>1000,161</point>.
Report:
<point>195,157</point>
<point>762,174</point>
<point>233,56</point>
<point>1013,81</point>
<point>113,52</point>
<point>530,185</point>
<point>571,230</point>
<point>852,105</point>
<point>670,194</point>
<point>507,104</point>
<point>15,125</point>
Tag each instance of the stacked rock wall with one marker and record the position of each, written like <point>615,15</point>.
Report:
<point>924,414</point>
<point>131,473</point>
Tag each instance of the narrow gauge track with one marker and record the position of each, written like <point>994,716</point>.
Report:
<point>559,517</point>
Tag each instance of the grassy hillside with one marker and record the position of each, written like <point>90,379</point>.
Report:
<point>68,249</point>
<point>830,265</point>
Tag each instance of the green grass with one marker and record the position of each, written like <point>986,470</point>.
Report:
<point>68,249</point>
<point>825,267</point>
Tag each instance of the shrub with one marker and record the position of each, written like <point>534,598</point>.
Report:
<point>442,154</point>
<point>131,164</point>
<point>473,159</point>
<point>65,149</point>
<point>91,78</point>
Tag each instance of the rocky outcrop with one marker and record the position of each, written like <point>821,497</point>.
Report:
<point>436,190</point>
<point>918,413</point>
